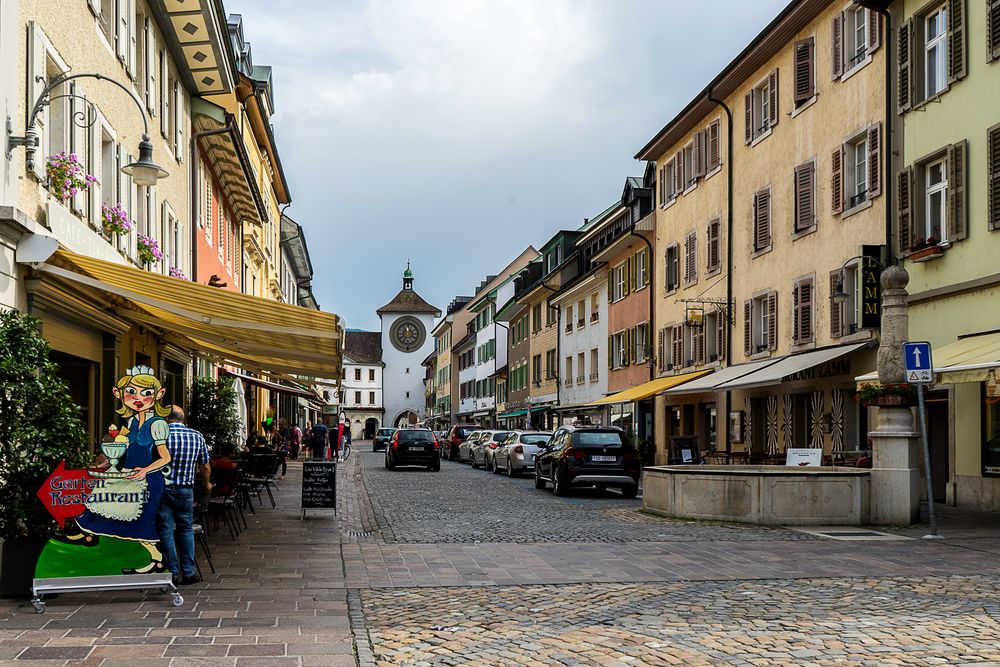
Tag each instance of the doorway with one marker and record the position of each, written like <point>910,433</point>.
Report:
<point>937,441</point>
<point>371,425</point>
<point>81,377</point>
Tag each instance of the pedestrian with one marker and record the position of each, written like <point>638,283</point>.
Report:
<point>262,447</point>
<point>318,441</point>
<point>294,441</point>
<point>189,459</point>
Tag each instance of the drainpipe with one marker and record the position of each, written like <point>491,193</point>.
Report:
<point>195,136</point>
<point>730,306</point>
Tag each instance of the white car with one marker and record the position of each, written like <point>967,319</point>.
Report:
<point>517,453</point>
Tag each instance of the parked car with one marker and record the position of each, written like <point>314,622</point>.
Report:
<point>482,451</point>
<point>465,449</point>
<point>457,434</point>
<point>577,456</point>
<point>382,438</point>
<point>517,453</point>
<point>413,447</point>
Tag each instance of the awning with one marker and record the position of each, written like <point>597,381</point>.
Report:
<point>774,373</point>
<point>267,384</point>
<point>650,388</point>
<point>578,407</point>
<point>246,330</point>
<point>966,360</point>
<point>515,413</point>
<point>709,383</point>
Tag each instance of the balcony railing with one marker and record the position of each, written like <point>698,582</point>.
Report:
<point>568,382</point>
<point>594,376</point>
<point>580,379</point>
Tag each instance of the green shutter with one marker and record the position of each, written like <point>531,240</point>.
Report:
<point>611,351</point>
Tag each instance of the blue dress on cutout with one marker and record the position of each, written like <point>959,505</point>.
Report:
<point>141,451</point>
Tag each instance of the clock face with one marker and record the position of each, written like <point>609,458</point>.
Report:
<point>408,334</point>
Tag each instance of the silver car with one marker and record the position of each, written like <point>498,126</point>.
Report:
<point>517,453</point>
<point>465,449</point>
<point>482,451</point>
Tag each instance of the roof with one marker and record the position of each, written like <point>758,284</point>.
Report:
<point>408,301</point>
<point>363,347</point>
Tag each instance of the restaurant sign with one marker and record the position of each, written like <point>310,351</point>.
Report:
<point>871,286</point>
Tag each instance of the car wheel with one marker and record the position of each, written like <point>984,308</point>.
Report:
<point>539,482</point>
<point>559,487</point>
<point>510,468</point>
<point>374,448</point>
<point>496,470</point>
<point>630,492</point>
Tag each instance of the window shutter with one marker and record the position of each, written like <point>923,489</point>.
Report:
<point>121,30</point>
<point>748,117</point>
<point>660,186</point>
<point>611,352</point>
<point>678,346</point>
<point>151,52</point>
<point>772,92</point>
<point>164,94</point>
<point>78,140</point>
<point>713,245</point>
<point>837,47</point>
<point>626,353</point>
<point>993,172</point>
<point>762,219</point>
<point>836,309</point>
<point>957,208</point>
<point>748,327</point>
<point>904,68</point>
<point>872,21</point>
<point>699,153</point>
<point>721,333</point>
<point>37,80</point>
<point>804,70</point>
<point>626,268</point>
<point>133,33</point>
<point>772,321</point>
<point>179,121</point>
<point>992,30</point>
<point>956,40</point>
<point>837,180</point>
<point>611,293</point>
<point>714,145</point>
<point>805,311</point>
<point>874,160</point>
<point>96,165</point>
<point>95,6</point>
<point>661,343</point>
<point>679,172</point>
<point>904,209</point>
<point>805,210</point>
<point>796,322</point>
<point>690,258</point>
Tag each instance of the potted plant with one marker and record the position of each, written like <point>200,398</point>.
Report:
<point>148,250</point>
<point>924,250</point>
<point>39,427</point>
<point>175,272</point>
<point>114,220</point>
<point>886,395</point>
<point>66,177</point>
<point>212,411</point>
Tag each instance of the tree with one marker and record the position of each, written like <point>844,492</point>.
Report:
<point>39,426</point>
<point>212,411</point>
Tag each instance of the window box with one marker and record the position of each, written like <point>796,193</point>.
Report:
<point>926,254</point>
<point>886,396</point>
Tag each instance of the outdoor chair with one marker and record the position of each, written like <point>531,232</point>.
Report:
<point>262,476</point>
<point>223,500</point>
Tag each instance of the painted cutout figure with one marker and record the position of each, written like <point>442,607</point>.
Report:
<point>120,499</point>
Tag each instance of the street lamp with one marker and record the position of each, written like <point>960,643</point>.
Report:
<point>839,295</point>
<point>143,171</point>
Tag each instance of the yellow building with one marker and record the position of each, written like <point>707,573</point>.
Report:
<point>771,180</point>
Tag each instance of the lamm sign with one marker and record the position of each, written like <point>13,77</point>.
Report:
<point>871,286</point>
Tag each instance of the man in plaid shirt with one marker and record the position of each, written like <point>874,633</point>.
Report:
<point>188,456</point>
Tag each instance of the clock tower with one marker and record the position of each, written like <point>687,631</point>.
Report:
<point>406,342</point>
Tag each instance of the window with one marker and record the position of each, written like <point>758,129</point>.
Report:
<point>569,319</point>
<point>551,316</point>
<point>991,436</point>
<point>595,356</point>
<point>668,180</point>
<point>935,199</point>
<point>581,314</point>
<point>762,220</point>
<point>856,169</point>
<point>690,175</point>
<point>857,172</point>
<point>357,374</point>
<point>371,374</point>
<point>931,205</point>
<point>712,322</point>
<point>642,350</point>
<point>581,369</point>
<point>619,350</point>
<point>844,315</point>
<point>371,398</point>
<point>569,371</point>
<point>802,312</point>
<point>993,164</point>
<point>536,369</point>
<point>357,398</point>
<point>714,252</point>
<point>641,269</point>
<point>805,71</point>
<point>761,108</point>
<point>992,30</point>
<point>672,267</point>
<point>536,318</point>
<point>856,35</point>
<point>550,365</point>
<point>760,323</point>
<point>619,281</point>
<point>805,197</point>
<point>595,305</point>
<point>935,52</point>
<point>931,51</point>
<point>691,259</point>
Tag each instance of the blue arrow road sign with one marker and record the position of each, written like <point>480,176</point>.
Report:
<point>917,362</point>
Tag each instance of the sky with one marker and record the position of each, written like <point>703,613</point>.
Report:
<point>455,133</point>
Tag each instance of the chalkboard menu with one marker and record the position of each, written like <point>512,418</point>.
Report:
<point>319,484</point>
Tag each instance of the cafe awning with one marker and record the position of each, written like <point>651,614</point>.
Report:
<point>708,383</point>
<point>966,360</point>
<point>651,388</point>
<point>246,330</point>
<point>273,386</point>
<point>773,374</point>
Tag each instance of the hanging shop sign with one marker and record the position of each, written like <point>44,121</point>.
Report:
<point>871,286</point>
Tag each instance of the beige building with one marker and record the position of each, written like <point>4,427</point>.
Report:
<point>770,181</point>
<point>450,330</point>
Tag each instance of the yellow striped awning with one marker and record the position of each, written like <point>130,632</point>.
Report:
<point>651,388</point>
<point>251,331</point>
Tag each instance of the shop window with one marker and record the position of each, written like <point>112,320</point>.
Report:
<point>991,437</point>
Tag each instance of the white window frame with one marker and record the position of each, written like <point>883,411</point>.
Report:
<point>935,49</point>
<point>761,325</point>
<point>929,190</point>
<point>641,270</point>
<point>760,100</point>
<point>620,281</point>
<point>642,342</point>
<point>855,38</point>
<point>849,319</point>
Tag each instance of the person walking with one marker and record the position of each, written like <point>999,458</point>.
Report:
<point>189,459</point>
<point>318,442</point>
<point>294,441</point>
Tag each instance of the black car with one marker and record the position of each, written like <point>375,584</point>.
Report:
<point>599,456</point>
<point>413,447</point>
<point>382,438</point>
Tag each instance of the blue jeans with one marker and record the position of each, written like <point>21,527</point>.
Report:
<point>177,514</point>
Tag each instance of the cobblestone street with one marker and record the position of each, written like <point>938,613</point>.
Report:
<point>463,567</point>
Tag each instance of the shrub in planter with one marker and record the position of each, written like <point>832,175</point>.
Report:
<point>39,427</point>
<point>886,395</point>
<point>177,273</point>
<point>212,410</point>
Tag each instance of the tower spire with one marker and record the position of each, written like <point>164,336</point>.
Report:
<point>408,277</point>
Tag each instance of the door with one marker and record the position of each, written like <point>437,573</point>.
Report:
<point>937,440</point>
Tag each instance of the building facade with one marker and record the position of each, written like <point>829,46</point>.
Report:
<point>361,387</point>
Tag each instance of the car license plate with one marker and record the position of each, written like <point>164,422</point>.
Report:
<point>419,448</point>
<point>603,459</point>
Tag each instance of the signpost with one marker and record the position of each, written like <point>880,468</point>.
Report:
<point>319,485</point>
<point>919,370</point>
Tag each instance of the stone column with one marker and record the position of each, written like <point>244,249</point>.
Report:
<point>895,477</point>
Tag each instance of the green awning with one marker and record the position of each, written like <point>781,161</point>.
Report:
<point>515,413</point>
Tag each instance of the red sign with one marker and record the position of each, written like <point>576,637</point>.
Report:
<point>64,492</point>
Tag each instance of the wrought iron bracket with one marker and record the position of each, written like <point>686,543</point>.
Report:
<point>725,306</point>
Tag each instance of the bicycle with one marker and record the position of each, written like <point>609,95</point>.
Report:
<point>345,451</point>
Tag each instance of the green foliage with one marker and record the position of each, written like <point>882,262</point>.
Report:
<point>871,392</point>
<point>212,410</point>
<point>39,426</point>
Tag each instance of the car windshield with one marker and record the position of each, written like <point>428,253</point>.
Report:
<point>415,436</point>
<point>532,439</point>
<point>601,438</point>
<point>463,432</point>
<point>499,436</point>
<point>385,431</point>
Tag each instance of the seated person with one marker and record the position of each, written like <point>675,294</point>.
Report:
<point>224,459</point>
<point>262,447</point>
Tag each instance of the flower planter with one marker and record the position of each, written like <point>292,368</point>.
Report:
<point>926,254</point>
<point>889,402</point>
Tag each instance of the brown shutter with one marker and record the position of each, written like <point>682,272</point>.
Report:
<point>993,168</point>
<point>715,146</point>
<point>611,351</point>
<point>956,40</point>
<point>611,290</point>
<point>837,180</point>
<point>762,219</point>
<point>804,71</point>
<point>875,160</point>
<point>904,209</point>
<point>748,327</point>
<point>805,209</point>
<point>690,259</point>
<point>772,92</point>
<point>748,116</point>
<point>699,345</point>
<point>700,153</point>
<point>660,186</point>
<point>958,224</point>
<point>679,359</point>
<point>626,267</point>
<point>713,245</point>
<point>992,30</point>
<point>837,47</point>
<point>660,349</point>
<point>805,311</point>
<point>874,31</point>
<point>722,333</point>
<point>836,308</point>
<point>772,321</point>
<point>796,322</point>
<point>679,183</point>
<point>904,68</point>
